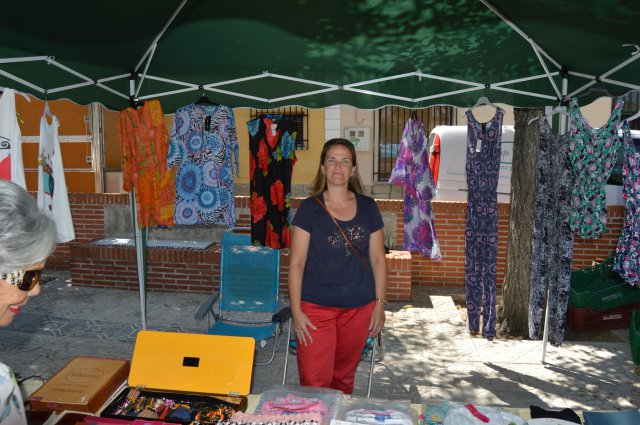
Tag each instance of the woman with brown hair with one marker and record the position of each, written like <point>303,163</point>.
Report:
<point>337,272</point>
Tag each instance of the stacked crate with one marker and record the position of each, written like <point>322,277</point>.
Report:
<point>599,299</point>
<point>634,336</point>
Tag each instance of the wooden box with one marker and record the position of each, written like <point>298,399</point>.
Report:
<point>84,385</point>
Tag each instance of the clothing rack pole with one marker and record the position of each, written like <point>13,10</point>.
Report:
<point>140,238</point>
<point>545,335</point>
<point>140,259</point>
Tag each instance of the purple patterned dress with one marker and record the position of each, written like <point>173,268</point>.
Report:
<point>627,261</point>
<point>481,235</point>
<point>412,170</point>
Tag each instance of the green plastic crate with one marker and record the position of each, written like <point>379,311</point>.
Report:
<point>634,336</point>
<point>599,288</point>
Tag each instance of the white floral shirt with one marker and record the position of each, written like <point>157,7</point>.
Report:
<point>11,406</point>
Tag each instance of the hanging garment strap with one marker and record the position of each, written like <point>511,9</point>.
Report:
<point>346,238</point>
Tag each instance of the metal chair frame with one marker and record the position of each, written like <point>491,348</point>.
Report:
<point>261,298</point>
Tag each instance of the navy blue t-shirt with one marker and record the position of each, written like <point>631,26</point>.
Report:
<point>334,275</point>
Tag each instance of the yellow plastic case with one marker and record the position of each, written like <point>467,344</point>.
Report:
<point>199,368</point>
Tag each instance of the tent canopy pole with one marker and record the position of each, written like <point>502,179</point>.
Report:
<point>154,43</point>
<point>21,81</point>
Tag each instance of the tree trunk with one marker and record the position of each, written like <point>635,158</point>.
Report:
<point>512,310</point>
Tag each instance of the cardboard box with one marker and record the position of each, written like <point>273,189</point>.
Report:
<point>83,385</point>
<point>195,371</point>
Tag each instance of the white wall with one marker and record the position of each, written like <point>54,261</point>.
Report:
<point>352,117</point>
<point>332,128</point>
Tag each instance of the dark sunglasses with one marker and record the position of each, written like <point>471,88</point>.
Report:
<point>24,280</point>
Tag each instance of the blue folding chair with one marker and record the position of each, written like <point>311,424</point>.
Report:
<point>248,303</point>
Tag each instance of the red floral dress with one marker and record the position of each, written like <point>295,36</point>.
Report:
<point>272,156</point>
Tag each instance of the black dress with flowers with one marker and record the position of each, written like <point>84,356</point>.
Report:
<point>272,154</point>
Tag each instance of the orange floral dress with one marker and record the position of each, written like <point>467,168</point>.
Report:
<point>145,143</point>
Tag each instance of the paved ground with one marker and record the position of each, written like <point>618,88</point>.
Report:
<point>429,356</point>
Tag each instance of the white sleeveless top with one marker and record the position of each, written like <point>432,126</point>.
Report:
<point>52,188</point>
<point>11,165</point>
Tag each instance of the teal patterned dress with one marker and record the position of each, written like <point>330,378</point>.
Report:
<point>592,152</point>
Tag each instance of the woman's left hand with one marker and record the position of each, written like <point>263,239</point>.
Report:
<point>377,320</point>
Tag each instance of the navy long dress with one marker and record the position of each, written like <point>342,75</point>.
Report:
<point>552,242</point>
<point>481,236</point>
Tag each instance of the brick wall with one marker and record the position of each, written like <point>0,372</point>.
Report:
<point>399,276</point>
<point>167,269</point>
<point>87,211</point>
<point>585,251</point>
<point>450,219</point>
<point>170,269</point>
<point>88,214</point>
<point>450,222</point>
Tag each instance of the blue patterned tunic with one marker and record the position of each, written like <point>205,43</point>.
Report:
<point>203,140</point>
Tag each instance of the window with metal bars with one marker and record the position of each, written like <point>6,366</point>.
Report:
<point>297,114</point>
<point>392,120</point>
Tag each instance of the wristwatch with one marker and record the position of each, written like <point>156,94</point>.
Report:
<point>381,300</point>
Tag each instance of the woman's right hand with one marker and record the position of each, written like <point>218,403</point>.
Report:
<point>301,326</point>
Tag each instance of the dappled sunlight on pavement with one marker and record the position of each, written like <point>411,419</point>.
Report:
<point>429,354</point>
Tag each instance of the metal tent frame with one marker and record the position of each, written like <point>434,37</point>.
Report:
<point>140,74</point>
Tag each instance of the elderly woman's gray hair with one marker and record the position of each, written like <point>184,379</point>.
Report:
<point>27,236</point>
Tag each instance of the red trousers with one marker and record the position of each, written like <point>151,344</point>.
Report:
<point>332,358</point>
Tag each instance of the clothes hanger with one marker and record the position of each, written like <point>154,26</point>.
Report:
<point>596,90</point>
<point>135,103</point>
<point>204,100</point>
<point>47,111</point>
<point>483,100</point>
<point>558,109</point>
<point>414,115</point>
<point>633,117</point>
